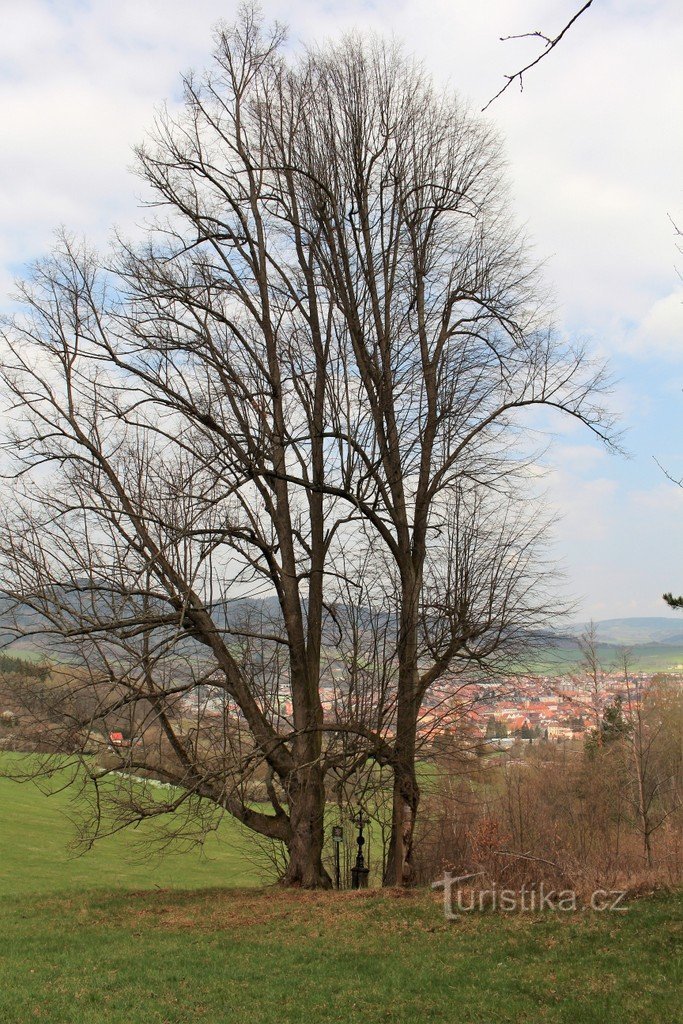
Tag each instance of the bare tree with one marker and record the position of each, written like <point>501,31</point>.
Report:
<point>317,360</point>
<point>442,328</point>
<point>593,674</point>
<point>653,769</point>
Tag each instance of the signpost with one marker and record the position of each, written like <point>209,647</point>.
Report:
<point>337,839</point>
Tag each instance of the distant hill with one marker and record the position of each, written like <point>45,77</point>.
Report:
<point>656,642</point>
<point>628,632</point>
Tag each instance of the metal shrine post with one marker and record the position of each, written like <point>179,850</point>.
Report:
<point>359,872</point>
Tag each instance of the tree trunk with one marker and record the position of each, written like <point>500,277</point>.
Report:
<point>399,870</point>
<point>644,816</point>
<point>637,750</point>
<point>647,844</point>
<point>406,794</point>
<point>307,820</point>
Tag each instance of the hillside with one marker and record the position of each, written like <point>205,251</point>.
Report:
<point>37,854</point>
<point>116,938</point>
<point>273,957</point>
<point>653,630</point>
<point>656,642</point>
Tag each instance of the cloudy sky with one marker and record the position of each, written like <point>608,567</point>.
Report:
<point>595,147</point>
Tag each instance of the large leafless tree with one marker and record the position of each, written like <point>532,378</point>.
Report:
<point>308,382</point>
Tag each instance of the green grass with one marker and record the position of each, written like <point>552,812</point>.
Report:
<point>37,855</point>
<point>645,658</point>
<point>278,958</point>
<point>112,939</point>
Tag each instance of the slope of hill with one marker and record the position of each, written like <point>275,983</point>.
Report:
<point>656,642</point>
<point>37,857</point>
<point>653,630</point>
<point>564,655</point>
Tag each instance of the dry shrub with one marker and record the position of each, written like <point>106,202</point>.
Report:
<point>547,813</point>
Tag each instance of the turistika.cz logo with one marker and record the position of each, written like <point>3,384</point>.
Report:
<point>527,900</point>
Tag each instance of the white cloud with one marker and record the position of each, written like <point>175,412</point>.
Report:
<point>579,457</point>
<point>663,499</point>
<point>661,329</point>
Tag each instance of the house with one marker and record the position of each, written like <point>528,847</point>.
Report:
<point>559,732</point>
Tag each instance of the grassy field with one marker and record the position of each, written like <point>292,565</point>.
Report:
<point>645,658</point>
<point>111,939</point>
<point>267,957</point>
<point>37,856</point>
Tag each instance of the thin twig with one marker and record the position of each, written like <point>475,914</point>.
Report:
<point>550,44</point>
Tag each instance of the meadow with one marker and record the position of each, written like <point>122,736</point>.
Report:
<point>645,658</point>
<point>38,855</point>
<point>117,938</point>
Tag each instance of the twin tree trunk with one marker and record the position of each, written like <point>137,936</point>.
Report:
<point>307,795</point>
<point>305,845</point>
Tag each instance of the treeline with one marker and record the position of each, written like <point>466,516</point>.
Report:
<point>22,667</point>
